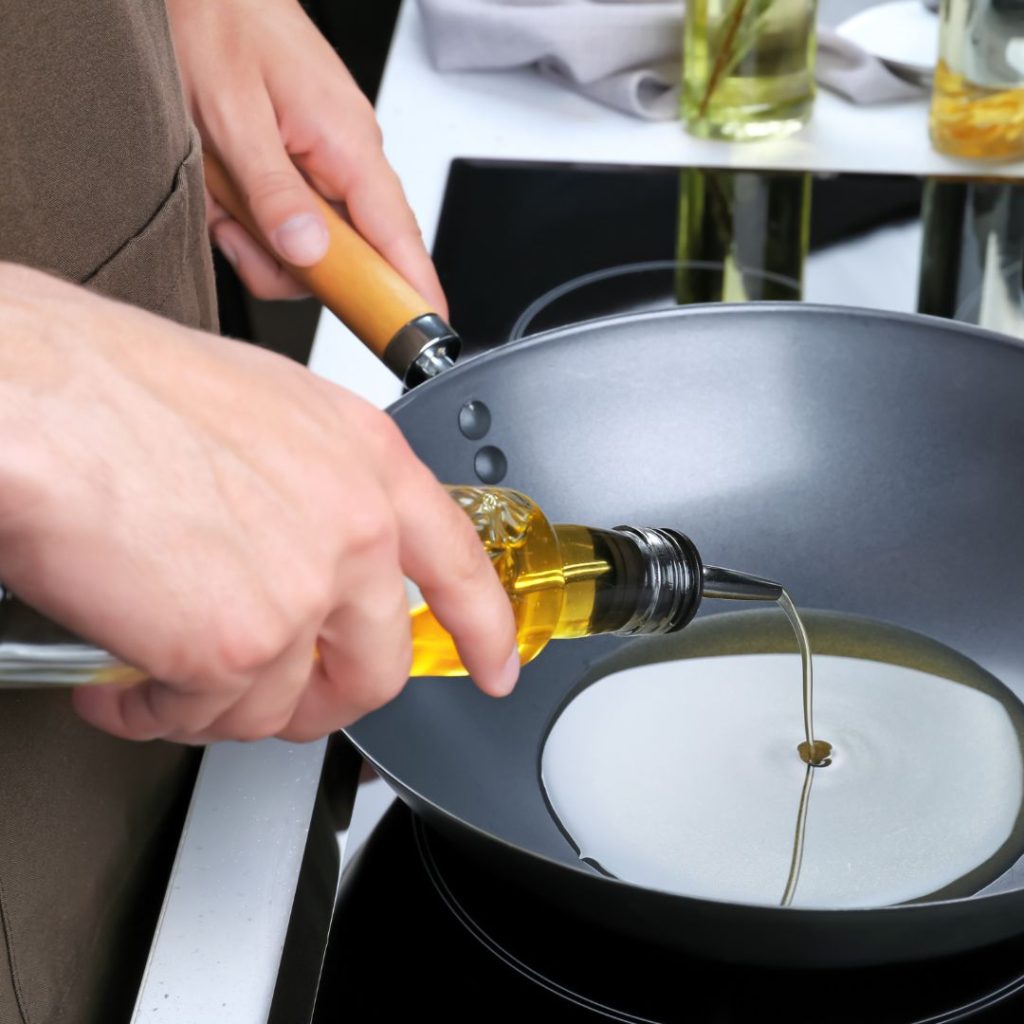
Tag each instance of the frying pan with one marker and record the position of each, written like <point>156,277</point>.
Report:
<point>872,462</point>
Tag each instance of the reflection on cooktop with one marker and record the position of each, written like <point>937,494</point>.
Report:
<point>556,244</point>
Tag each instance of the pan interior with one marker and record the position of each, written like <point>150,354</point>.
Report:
<point>682,774</point>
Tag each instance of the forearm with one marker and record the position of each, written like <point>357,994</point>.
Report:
<point>32,377</point>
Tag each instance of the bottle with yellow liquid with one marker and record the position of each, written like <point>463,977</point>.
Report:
<point>564,582</point>
<point>567,581</point>
<point>978,95</point>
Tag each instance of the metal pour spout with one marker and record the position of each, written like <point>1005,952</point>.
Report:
<point>738,586</point>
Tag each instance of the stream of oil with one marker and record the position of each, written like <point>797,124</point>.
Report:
<point>814,753</point>
<point>673,767</point>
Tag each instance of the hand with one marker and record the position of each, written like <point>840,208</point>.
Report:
<point>212,514</point>
<point>271,97</point>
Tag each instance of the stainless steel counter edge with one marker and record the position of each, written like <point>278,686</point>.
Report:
<point>218,942</point>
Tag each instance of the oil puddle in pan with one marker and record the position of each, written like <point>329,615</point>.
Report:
<point>680,772</point>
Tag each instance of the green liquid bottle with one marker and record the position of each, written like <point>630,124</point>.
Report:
<point>748,67</point>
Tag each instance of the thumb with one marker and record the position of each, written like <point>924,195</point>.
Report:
<point>276,193</point>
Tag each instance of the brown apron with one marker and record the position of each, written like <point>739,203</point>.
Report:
<point>100,182</point>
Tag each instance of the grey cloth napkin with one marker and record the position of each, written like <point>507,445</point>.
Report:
<point>623,53</point>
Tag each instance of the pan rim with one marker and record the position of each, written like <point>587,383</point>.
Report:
<point>982,335</point>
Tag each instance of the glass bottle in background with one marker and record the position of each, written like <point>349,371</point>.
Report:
<point>748,67</point>
<point>755,226</point>
<point>978,96</point>
<point>972,253</point>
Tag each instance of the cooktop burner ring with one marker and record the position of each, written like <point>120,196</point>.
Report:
<point>495,948</point>
<point>650,278</point>
<point>429,850</point>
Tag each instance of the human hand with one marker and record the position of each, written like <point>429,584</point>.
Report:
<point>271,99</point>
<point>212,513</point>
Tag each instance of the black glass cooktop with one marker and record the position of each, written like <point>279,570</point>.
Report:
<point>422,931</point>
<point>419,931</point>
<point>525,247</point>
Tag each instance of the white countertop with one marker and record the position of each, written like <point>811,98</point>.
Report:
<point>429,119</point>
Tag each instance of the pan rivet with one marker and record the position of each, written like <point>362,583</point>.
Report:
<point>490,465</point>
<point>474,420</point>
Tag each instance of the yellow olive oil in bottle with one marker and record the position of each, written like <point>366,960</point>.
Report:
<point>568,581</point>
<point>978,93</point>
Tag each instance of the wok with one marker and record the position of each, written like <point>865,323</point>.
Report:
<point>872,462</point>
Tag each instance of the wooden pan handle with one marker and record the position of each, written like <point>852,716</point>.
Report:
<point>358,285</point>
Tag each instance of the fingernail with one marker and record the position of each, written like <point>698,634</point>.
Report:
<point>228,253</point>
<point>302,240</point>
<point>509,676</point>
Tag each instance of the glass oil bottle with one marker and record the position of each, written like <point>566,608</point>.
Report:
<point>564,581</point>
<point>567,581</point>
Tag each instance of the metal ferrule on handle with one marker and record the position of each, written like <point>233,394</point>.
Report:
<point>361,288</point>
<point>422,349</point>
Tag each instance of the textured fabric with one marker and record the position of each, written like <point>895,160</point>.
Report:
<point>623,53</point>
<point>853,73</point>
<point>101,183</point>
<point>87,824</point>
<point>101,173</point>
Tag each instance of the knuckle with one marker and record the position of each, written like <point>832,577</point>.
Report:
<point>467,560</point>
<point>383,688</point>
<point>310,596</point>
<point>390,439</point>
<point>371,531</point>
<point>265,190</point>
<point>187,661</point>
<point>378,426</point>
<point>161,710</point>
<point>242,645</point>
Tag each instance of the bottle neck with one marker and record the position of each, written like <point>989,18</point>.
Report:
<point>627,581</point>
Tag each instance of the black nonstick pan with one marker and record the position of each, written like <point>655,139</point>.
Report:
<point>872,462</point>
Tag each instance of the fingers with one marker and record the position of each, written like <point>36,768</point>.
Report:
<point>149,710</point>
<point>263,275</point>
<point>278,196</point>
<point>334,138</point>
<point>380,212</point>
<point>268,702</point>
<point>365,651</point>
<point>350,166</point>
<point>442,554</point>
